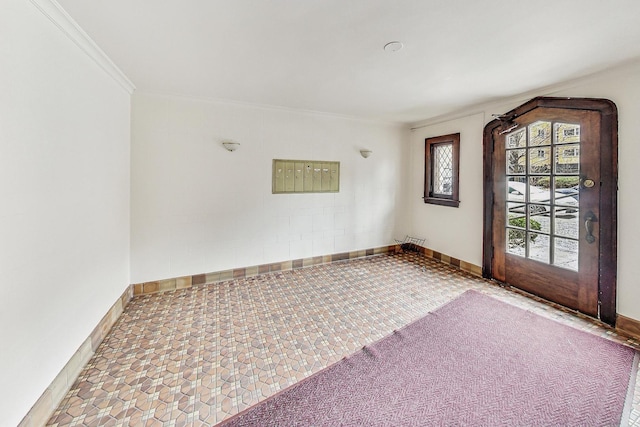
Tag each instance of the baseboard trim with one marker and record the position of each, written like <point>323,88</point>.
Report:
<point>628,326</point>
<point>46,405</point>
<point>476,270</point>
<point>185,282</point>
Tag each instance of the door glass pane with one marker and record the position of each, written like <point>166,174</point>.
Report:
<point>566,224</point>
<point>538,211</point>
<point>516,193</point>
<point>539,133</point>
<point>540,160</point>
<point>567,159</point>
<point>517,139</point>
<point>516,190</point>
<point>567,199</point>
<point>516,161</point>
<point>539,247</point>
<point>566,133</point>
<point>540,222</point>
<point>539,191</point>
<point>516,243</point>
<point>566,253</point>
<point>567,191</point>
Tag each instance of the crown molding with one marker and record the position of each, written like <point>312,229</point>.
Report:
<point>61,19</point>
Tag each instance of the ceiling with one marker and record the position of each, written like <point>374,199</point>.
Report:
<point>327,55</point>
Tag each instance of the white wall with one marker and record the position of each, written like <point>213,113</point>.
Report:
<point>64,186</point>
<point>456,232</point>
<point>198,208</point>
<point>459,233</point>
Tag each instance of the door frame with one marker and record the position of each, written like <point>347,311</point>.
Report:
<point>607,243</point>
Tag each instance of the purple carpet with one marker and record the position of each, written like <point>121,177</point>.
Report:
<point>475,361</point>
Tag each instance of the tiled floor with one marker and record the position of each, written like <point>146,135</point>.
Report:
<point>197,356</point>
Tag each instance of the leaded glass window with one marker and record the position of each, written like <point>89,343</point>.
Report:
<point>441,170</point>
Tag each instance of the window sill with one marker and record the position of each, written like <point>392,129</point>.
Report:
<point>442,202</point>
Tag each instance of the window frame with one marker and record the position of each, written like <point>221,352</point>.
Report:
<point>452,200</point>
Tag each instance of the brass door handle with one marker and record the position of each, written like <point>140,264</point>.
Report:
<point>589,219</point>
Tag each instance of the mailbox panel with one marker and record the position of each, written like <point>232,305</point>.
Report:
<point>305,176</point>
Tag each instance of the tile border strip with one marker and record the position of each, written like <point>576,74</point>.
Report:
<point>157,286</point>
<point>48,402</point>
<point>476,270</point>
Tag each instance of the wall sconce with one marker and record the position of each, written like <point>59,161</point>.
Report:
<point>230,145</point>
<point>365,153</point>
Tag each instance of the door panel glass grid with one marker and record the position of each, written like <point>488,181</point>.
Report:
<point>542,169</point>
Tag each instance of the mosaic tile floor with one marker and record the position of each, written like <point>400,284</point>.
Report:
<point>195,357</point>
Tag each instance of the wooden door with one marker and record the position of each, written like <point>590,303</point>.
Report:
<point>550,187</point>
